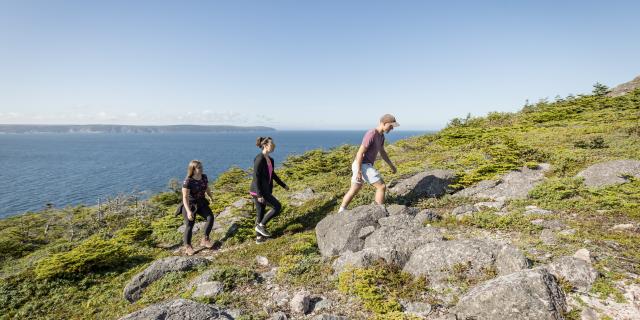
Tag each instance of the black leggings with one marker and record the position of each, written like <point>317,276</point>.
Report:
<point>261,217</point>
<point>202,210</point>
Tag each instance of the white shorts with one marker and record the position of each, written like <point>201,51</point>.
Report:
<point>369,173</point>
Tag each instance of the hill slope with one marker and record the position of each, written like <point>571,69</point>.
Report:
<point>74,263</point>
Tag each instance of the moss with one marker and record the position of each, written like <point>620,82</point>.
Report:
<point>605,288</point>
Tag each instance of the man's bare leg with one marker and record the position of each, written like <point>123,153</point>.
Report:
<point>380,190</point>
<point>353,191</point>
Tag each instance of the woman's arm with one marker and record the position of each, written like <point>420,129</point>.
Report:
<point>185,202</point>
<point>257,175</point>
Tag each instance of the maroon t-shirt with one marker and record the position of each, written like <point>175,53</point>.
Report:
<point>373,141</point>
<point>197,188</point>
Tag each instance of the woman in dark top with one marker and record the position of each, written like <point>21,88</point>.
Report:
<point>262,187</point>
<point>194,188</point>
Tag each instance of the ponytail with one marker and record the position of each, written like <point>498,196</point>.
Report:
<point>262,141</point>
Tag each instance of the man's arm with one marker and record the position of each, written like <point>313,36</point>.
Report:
<point>385,157</point>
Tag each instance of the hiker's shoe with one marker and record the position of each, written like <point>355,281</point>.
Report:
<point>260,239</point>
<point>206,243</point>
<point>261,230</point>
<point>188,250</point>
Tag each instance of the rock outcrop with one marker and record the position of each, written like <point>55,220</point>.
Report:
<point>430,183</point>
<point>178,309</point>
<point>610,172</point>
<point>624,88</point>
<point>157,269</point>
<point>513,185</point>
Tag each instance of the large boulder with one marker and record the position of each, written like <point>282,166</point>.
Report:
<point>610,172</point>
<point>625,88</point>
<point>178,309</point>
<point>578,272</point>
<point>360,259</point>
<point>525,295</point>
<point>396,243</point>
<point>513,185</point>
<point>438,260</point>
<point>430,183</point>
<point>339,232</point>
<point>299,198</point>
<point>133,290</point>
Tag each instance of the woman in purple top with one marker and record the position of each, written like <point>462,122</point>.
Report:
<point>262,186</point>
<point>194,188</point>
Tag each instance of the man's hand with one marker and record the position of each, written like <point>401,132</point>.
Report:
<point>359,177</point>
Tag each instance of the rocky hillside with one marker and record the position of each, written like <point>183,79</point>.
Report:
<point>527,215</point>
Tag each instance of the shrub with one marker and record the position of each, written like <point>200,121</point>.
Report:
<point>167,198</point>
<point>555,189</point>
<point>380,287</point>
<point>93,254</point>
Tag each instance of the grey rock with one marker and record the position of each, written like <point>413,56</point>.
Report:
<point>464,209</point>
<point>360,259</point>
<point>320,305</point>
<point>263,261</point>
<point>399,221</point>
<point>156,270</point>
<point>555,225</point>
<point>281,298</point>
<point>567,232</point>
<point>366,231</point>
<point>510,259</point>
<point>240,203</point>
<point>395,244</point>
<point>178,309</point>
<point>430,183</point>
<point>209,289</point>
<point>338,233</point>
<point>196,227</point>
<point>581,274</point>
<point>436,260</point>
<point>300,302</point>
<point>548,237</point>
<point>535,210</point>
<point>609,173</point>
<point>425,216</point>
<point>583,254</point>
<point>279,316</point>
<point>513,185</point>
<point>398,209</point>
<point>419,309</point>
<point>202,278</point>
<point>299,198</point>
<point>625,227</point>
<point>624,88</point>
<point>588,314</point>
<point>531,294</point>
<point>329,317</point>
<point>489,205</point>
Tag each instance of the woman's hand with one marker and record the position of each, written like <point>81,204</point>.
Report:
<point>286,187</point>
<point>261,199</point>
<point>190,215</point>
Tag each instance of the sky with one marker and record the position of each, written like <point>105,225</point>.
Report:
<point>294,65</point>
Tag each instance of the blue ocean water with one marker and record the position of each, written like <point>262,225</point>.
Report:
<point>71,169</point>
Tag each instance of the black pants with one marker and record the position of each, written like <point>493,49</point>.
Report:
<point>261,217</point>
<point>202,210</point>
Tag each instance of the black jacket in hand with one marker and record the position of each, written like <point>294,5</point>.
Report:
<point>261,183</point>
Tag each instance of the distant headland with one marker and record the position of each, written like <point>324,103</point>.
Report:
<point>108,128</point>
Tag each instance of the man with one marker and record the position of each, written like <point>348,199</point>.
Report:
<point>362,167</point>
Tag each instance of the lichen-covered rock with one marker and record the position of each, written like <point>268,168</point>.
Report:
<point>437,260</point>
<point>396,243</point>
<point>513,185</point>
<point>209,289</point>
<point>430,183</point>
<point>300,302</point>
<point>578,272</point>
<point>610,172</point>
<point>178,309</point>
<point>532,294</point>
<point>156,270</point>
<point>337,233</point>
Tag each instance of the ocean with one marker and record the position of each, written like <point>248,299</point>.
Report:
<point>65,169</point>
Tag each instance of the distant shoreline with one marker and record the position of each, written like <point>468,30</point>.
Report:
<point>107,128</point>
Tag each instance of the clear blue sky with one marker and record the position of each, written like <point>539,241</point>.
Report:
<point>304,64</point>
